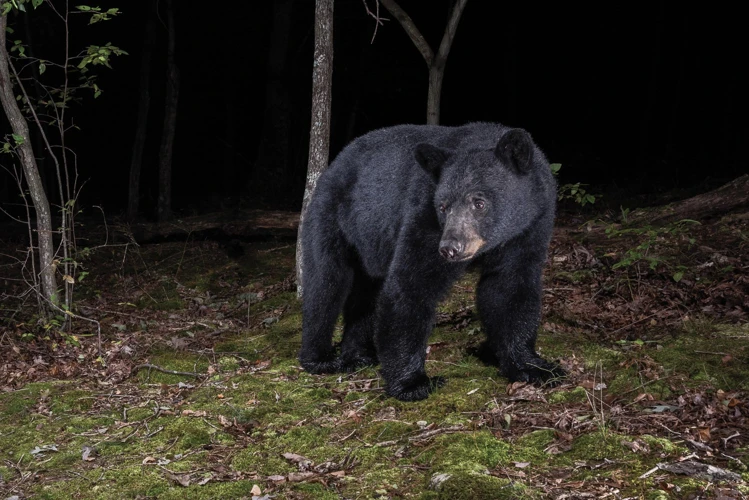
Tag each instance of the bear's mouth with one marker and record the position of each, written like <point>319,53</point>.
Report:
<point>462,251</point>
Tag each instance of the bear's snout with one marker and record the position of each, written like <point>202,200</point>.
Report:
<point>451,249</point>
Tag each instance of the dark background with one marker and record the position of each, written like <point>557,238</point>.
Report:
<point>641,98</point>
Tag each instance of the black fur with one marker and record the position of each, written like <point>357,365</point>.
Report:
<point>372,236</point>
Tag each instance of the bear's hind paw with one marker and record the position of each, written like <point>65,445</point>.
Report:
<point>415,390</point>
<point>348,364</point>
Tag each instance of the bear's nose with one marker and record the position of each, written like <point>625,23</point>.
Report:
<point>451,249</point>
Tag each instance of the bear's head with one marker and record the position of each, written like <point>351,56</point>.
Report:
<point>485,197</point>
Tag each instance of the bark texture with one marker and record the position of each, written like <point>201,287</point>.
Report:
<point>319,137</point>
<point>136,162</point>
<point>164,208</point>
<point>31,173</point>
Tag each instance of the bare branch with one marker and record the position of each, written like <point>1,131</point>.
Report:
<point>449,36</point>
<point>413,32</point>
<point>376,15</point>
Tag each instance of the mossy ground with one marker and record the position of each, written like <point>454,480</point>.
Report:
<point>229,432</point>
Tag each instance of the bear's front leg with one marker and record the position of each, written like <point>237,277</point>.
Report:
<point>405,315</point>
<point>509,303</point>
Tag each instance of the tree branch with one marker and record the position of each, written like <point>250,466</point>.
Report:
<point>449,36</point>
<point>413,32</point>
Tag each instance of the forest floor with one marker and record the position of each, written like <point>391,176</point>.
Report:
<point>649,321</point>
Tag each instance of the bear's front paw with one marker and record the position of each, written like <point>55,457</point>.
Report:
<point>318,366</point>
<point>414,388</point>
<point>536,371</point>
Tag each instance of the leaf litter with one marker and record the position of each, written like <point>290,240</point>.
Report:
<point>655,401</point>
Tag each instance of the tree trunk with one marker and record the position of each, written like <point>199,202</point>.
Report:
<point>229,178</point>
<point>319,137</point>
<point>31,174</point>
<point>272,162</point>
<point>435,63</point>
<point>36,136</point>
<point>436,75</point>
<point>164,209</point>
<point>649,110</point>
<point>136,162</point>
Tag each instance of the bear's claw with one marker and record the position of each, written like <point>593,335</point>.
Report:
<point>415,389</point>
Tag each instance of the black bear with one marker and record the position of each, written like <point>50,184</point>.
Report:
<point>396,219</point>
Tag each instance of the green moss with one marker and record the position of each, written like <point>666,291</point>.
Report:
<point>261,461</point>
<point>18,403</point>
<point>228,364</point>
<point>710,367</point>
<point>530,447</point>
<point>478,486</point>
<point>574,277</point>
<point>211,491</point>
<point>663,444</point>
<point>187,432</point>
<point>182,362</point>
<point>658,495</point>
<point>466,452</point>
<point>387,431</point>
<point>599,446</point>
<point>316,490</point>
<point>576,395</point>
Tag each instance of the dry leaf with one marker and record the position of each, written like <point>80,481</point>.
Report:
<point>704,433</point>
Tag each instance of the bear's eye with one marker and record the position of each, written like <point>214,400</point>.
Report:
<point>442,208</point>
<point>479,204</point>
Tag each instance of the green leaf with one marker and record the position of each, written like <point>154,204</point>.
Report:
<point>36,3</point>
<point>18,138</point>
<point>42,68</point>
<point>84,8</point>
<point>678,275</point>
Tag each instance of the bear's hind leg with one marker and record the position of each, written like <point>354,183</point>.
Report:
<point>357,348</point>
<point>327,278</point>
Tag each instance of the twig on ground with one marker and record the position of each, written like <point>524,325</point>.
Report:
<point>136,369</point>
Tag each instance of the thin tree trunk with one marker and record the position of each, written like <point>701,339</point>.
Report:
<point>31,174</point>
<point>435,63</point>
<point>319,137</point>
<point>230,184</point>
<point>136,162</point>
<point>652,96</point>
<point>164,209</point>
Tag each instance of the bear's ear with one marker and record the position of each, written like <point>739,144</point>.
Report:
<point>431,158</point>
<point>515,149</point>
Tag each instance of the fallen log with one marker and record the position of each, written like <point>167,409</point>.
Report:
<point>728,198</point>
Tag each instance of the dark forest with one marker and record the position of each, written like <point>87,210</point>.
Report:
<point>153,340</point>
<point>644,98</point>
